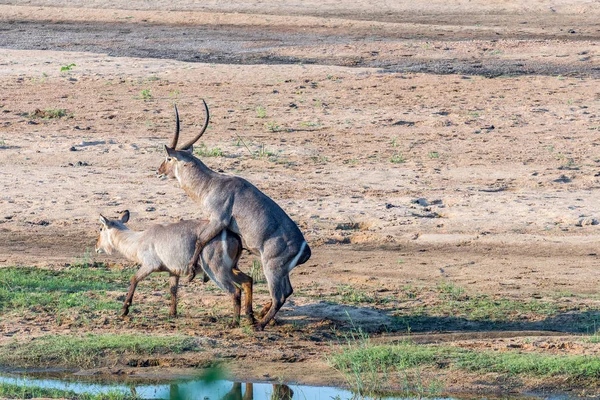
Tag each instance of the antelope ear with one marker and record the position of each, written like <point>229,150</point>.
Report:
<point>170,152</point>
<point>103,220</point>
<point>125,216</point>
<point>189,150</point>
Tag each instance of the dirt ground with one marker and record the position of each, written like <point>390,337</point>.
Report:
<point>413,144</point>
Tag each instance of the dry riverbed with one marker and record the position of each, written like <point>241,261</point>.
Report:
<point>444,171</point>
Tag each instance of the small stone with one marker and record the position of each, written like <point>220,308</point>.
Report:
<point>72,148</point>
<point>587,221</point>
<point>563,179</point>
<point>150,209</point>
<point>420,201</point>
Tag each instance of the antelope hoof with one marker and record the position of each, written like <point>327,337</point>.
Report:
<point>258,327</point>
<point>234,324</point>
<point>124,313</point>
<point>251,320</point>
<point>173,315</point>
<point>191,276</point>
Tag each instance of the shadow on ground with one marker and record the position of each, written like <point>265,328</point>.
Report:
<point>381,321</point>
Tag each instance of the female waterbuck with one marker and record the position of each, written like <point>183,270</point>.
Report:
<point>170,248</point>
<point>230,202</point>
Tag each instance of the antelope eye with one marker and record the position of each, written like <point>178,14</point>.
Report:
<point>169,159</point>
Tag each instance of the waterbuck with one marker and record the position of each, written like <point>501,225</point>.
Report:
<point>233,203</point>
<point>169,248</point>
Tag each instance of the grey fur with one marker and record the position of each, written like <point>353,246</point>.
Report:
<point>170,248</point>
<point>231,202</point>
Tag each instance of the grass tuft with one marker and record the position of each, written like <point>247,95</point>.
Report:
<point>18,391</point>
<point>386,358</point>
<point>37,289</point>
<point>88,351</point>
<point>371,370</point>
<point>261,112</point>
<point>203,151</point>
<point>67,67</point>
<point>48,113</point>
<point>397,158</point>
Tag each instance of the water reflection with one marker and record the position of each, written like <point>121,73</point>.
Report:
<point>280,392</point>
<point>238,391</point>
<point>201,390</point>
<point>219,390</point>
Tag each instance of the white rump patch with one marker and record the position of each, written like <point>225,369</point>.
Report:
<point>295,260</point>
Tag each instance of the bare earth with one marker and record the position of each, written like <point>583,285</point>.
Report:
<point>488,114</point>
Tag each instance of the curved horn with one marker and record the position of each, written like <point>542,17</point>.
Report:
<point>198,136</point>
<point>176,137</point>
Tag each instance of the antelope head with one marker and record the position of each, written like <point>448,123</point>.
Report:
<point>105,243</point>
<point>182,154</point>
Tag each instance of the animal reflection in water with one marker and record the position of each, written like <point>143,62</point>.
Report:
<point>280,392</point>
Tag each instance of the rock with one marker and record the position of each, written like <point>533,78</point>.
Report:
<point>585,221</point>
<point>563,179</point>
<point>420,201</point>
<point>404,123</point>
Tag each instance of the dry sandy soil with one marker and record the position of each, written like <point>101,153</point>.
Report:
<point>486,113</point>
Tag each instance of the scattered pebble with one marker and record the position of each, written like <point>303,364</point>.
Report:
<point>587,221</point>
<point>420,201</point>
<point>563,179</point>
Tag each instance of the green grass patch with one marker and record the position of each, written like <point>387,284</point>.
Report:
<point>261,112</point>
<point>67,67</point>
<point>145,94</point>
<point>487,309</point>
<point>448,300</point>
<point>17,391</point>
<point>36,289</point>
<point>90,350</point>
<point>397,158</point>
<point>48,113</point>
<point>372,370</point>
<point>360,360</point>
<point>348,294</point>
<point>203,151</point>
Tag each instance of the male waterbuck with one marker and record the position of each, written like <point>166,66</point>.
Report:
<point>230,202</point>
<point>170,248</point>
